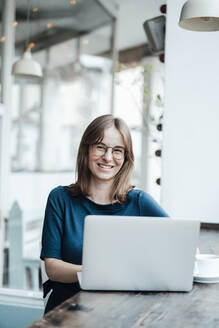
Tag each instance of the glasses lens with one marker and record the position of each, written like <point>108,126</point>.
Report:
<point>118,153</point>
<point>99,149</point>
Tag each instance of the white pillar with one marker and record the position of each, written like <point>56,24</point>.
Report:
<point>8,15</point>
<point>145,125</point>
<point>114,61</point>
<point>190,159</point>
<point>20,125</point>
<point>42,109</point>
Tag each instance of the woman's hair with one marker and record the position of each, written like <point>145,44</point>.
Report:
<point>94,133</point>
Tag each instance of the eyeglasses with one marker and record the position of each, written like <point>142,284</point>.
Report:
<point>100,149</point>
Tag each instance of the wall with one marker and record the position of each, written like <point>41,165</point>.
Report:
<point>190,182</point>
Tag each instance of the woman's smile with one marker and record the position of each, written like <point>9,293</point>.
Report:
<point>103,164</point>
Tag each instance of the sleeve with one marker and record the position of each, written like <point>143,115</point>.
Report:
<point>52,228</point>
<point>149,207</point>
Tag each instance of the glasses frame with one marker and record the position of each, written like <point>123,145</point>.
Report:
<point>106,149</point>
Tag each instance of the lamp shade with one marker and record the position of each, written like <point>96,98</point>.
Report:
<point>26,66</point>
<point>200,15</point>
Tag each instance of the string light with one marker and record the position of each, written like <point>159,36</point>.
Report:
<point>35,9</point>
<point>2,39</point>
<point>15,23</point>
<point>49,25</point>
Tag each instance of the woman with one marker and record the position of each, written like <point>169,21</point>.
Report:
<point>104,166</point>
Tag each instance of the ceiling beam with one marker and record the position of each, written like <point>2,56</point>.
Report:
<point>21,15</point>
<point>53,36</point>
<point>49,38</point>
<point>134,54</point>
<point>109,8</point>
<point>131,55</point>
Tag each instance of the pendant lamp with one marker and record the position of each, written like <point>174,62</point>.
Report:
<point>200,15</point>
<point>26,66</point>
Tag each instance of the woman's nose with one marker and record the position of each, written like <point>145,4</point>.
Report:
<point>108,156</point>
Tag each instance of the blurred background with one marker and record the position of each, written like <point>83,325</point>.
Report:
<point>94,58</point>
<point>63,63</point>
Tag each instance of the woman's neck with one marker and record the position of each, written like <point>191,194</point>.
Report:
<point>100,191</point>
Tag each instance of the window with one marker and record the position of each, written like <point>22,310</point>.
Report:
<point>139,101</point>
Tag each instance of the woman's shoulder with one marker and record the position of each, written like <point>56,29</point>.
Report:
<point>140,196</point>
<point>147,204</point>
<point>59,192</point>
<point>136,193</point>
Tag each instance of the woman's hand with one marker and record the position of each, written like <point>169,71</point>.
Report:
<point>61,271</point>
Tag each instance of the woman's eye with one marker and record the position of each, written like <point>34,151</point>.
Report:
<point>118,150</point>
<point>99,147</point>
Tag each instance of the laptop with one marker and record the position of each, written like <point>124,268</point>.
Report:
<point>127,253</point>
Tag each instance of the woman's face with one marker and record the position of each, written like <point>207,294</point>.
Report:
<point>104,163</point>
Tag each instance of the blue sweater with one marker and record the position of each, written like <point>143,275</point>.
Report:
<point>62,236</point>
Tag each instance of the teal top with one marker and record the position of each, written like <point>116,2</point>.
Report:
<point>63,227</point>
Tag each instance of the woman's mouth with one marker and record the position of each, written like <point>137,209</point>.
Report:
<point>105,166</point>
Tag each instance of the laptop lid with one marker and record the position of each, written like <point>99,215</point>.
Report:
<point>138,253</point>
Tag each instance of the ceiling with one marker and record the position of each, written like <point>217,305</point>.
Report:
<point>55,21</point>
<point>47,22</point>
<point>131,16</point>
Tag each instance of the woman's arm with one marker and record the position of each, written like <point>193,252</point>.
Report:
<point>58,270</point>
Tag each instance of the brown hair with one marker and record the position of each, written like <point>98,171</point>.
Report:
<point>94,133</point>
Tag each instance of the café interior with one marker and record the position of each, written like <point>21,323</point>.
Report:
<point>62,64</point>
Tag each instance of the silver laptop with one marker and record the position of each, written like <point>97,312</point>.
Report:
<point>138,253</point>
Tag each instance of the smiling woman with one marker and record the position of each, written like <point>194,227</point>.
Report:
<point>106,161</point>
<point>98,157</point>
<point>104,167</point>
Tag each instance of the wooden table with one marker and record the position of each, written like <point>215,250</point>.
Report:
<point>198,308</point>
